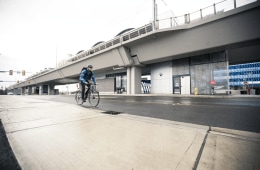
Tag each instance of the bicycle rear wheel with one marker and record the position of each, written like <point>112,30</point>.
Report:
<point>78,97</point>
<point>94,98</point>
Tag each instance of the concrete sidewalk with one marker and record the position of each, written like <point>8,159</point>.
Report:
<point>52,135</point>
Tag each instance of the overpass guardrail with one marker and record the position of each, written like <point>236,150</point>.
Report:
<point>175,21</point>
<point>161,23</point>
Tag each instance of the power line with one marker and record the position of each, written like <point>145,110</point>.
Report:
<point>164,3</point>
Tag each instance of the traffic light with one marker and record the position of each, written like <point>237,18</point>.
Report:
<point>23,72</point>
<point>10,72</point>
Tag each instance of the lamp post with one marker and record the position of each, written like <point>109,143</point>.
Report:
<point>154,13</point>
<point>154,10</point>
<point>56,56</point>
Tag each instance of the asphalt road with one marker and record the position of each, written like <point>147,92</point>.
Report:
<point>240,113</point>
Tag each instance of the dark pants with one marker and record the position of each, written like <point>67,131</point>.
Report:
<point>83,87</point>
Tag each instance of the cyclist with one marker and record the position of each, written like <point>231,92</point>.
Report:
<point>85,75</point>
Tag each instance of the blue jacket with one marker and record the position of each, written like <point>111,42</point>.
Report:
<point>86,75</point>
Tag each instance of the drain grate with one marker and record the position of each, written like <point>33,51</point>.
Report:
<point>111,112</point>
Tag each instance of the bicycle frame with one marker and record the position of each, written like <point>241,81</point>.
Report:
<point>91,89</point>
<point>90,93</point>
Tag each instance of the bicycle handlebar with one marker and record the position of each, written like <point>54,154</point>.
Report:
<point>91,83</point>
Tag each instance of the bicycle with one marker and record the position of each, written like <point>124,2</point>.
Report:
<point>92,96</point>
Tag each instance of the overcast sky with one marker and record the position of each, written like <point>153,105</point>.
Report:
<point>34,32</point>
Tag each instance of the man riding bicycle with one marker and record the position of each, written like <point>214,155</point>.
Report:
<point>85,75</point>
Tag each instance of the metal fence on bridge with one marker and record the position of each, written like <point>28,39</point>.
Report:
<point>203,13</point>
<point>174,21</point>
<point>163,23</point>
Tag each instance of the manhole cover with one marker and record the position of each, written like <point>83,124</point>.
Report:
<point>111,112</point>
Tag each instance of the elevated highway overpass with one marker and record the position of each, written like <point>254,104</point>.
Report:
<point>226,36</point>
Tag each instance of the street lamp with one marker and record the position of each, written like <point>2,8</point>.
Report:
<point>154,13</point>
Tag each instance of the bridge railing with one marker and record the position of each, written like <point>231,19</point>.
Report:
<point>203,13</point>
<point>171,22</point>
<point>118,40</point>
<point>220,7</point>
<point>200,14</point>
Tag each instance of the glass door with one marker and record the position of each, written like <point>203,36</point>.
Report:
<point>176,85</point>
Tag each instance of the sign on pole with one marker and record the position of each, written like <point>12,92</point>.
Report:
<point>212,82</point>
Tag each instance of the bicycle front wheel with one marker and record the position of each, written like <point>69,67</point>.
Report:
<point>94,98</point>
<point>78,97</point>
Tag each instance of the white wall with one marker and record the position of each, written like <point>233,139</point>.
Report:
<point>161,78</point>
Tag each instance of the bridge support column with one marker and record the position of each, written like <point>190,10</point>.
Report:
<point>40,89</point>
<point>34,90</point>
<point>51,89</point>
<point>19,91</point>
<point>23,89</point>
<point>128,80</point>
<point>43,89</point>
<point>134,80</point>
<point>29,90</point>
